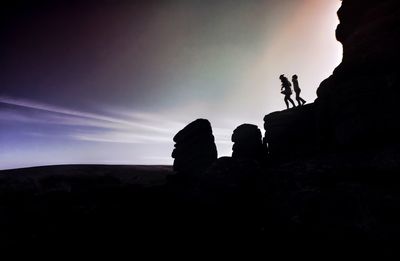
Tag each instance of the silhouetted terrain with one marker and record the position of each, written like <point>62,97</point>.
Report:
<point>328,170</point>
<point>80,204</point>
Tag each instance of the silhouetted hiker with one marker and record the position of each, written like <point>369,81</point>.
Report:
<point>297,90</point>
<point>286,90</point>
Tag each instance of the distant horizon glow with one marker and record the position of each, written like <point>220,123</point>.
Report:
<point>112,84</point>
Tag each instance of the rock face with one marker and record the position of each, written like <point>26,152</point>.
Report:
<point>357,105</point>
<point>339,197</point>
<point>291,133</point>
<point>332,166</point>
<point>195,148</point>
<point>247,142</point>
<point>350,189</point>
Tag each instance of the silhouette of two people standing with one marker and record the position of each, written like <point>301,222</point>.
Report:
<point>287,90</point>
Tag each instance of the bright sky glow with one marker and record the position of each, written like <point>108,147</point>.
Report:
<point>118,88</point>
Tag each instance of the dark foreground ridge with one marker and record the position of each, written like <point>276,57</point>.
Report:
<point>325,170</point>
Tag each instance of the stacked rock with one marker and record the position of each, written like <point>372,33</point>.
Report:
<point>195,148</point>
<point>247,142</point>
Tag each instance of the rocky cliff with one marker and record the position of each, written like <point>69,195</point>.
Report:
<point>339,158</point>
<point>358,104</point>
<point>291,133</point>
<point>331,170</point>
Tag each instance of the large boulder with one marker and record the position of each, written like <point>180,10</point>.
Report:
<point>291,133</point>
<point>195,148</point>
<point>247,141</point>
<point>357,105</point>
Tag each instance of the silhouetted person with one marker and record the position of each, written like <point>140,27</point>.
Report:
<point>286,90</point>
<point>297,90</point>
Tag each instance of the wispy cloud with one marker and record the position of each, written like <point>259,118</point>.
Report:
<point>137,127</point>
<point>121,137</point>
<point>111,126</point>
<point>59,115</point>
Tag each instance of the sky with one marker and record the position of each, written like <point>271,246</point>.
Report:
<point>111,82</point>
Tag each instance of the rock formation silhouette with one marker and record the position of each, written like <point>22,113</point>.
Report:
<point>247,140</point>
<point>335,162</point>
<point>195,148</point>
<point>358,104</point>
<point>291,133</point>
<point>332,170</point>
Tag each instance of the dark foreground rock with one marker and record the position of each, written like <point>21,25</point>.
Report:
<point>337,197</point>
<point>195,148</point>
<point>291,133</point>
<point>335,163</point>
<point>247,141</point>
<point>358,104</point>
<point>332,171</point>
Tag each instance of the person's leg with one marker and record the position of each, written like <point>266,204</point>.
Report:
<point>291,101</point>
<point>298,98</point>
<point>286,102</point>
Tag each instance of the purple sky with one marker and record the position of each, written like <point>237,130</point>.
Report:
<point>112,81</point>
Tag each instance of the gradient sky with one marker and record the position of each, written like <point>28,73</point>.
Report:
<point>111,82</point>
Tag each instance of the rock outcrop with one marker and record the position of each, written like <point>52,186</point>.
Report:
<point>195,148</point>
<point>291,133</point>
<point>247,141</point>
<point>341,179</point>
<point>357,105</point>
<point>332,166</point>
